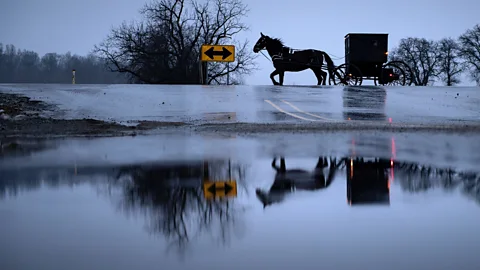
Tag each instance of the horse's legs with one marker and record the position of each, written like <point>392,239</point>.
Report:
<point>324,77</point>
<point>320,75</point>
<point>281,74</point>
<point>319,62</point>
<point>274,165</point>
<point>275,72</point>
<point>330,76</point>
<point>322,162</point>
<point>283,167</point>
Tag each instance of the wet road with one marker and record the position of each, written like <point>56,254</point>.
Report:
<point>259,104</point>
<point>147,202</point>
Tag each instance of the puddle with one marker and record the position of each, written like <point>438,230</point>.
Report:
<point>333,212</point>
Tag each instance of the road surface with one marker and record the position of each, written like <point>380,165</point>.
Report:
<point>259,104</point>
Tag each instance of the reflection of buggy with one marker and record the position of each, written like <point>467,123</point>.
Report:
<point>364,103</point>
<point>367,182</point>
<point>366,57</point>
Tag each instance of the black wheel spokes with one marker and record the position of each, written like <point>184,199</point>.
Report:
<point>401,76</point>
<point>404,70</point>
<point>347,79</point>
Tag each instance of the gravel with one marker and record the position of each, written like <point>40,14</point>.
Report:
<point>21,116</point>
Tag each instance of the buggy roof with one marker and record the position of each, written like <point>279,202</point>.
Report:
<point>365,34</point>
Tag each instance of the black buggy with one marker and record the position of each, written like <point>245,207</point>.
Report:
<point>366,58</point>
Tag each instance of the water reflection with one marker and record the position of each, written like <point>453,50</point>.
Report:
<point>178,203</point>
<point>289,180</point>
<point>17,147</point>
<point>364,103</point>
<point>368,180</point>
<point>171,196</point>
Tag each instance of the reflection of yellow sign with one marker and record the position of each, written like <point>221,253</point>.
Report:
<point>219,189</point>
<point>218,53</point>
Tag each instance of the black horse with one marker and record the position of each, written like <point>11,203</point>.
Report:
<point>286,59</point>
<point>297,179</point>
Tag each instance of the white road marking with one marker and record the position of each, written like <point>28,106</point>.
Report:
<point>307,113</point>
<point>288,113</point>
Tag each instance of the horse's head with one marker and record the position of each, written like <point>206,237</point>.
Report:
<point>270,197</point>
<point>261,43</point>
<point>262,196</point>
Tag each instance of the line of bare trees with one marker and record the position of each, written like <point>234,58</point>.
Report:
<point>443,60</point>
<point>25,66</point>
<point>164,48</point>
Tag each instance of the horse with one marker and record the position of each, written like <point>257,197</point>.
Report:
<point>288,180</point>
<point>286,59</point>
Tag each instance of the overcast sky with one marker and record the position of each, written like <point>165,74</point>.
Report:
<point>76,25</point>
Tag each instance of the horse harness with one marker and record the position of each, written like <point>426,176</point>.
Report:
<point>286,54</point>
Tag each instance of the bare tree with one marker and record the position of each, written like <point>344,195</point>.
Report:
<point>165,48</point>
<point>470,51</point>
<point>421,55</point>
<point>449,65</point>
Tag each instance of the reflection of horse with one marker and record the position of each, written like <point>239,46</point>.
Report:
<point>287,59</point>
<point>287,181</point>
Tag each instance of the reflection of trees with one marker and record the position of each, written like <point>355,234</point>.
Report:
<point>179,210</point>
<point>170,196</point>
<point>14,182</point>
<point>16,147</point>
<point>416,178</point>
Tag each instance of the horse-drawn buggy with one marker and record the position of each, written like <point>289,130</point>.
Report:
<point>366,58</point>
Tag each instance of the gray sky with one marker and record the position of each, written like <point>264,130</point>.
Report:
<point>68,25</point>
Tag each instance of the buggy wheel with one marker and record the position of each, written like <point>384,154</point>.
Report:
<point>391,78</point>
<point>409,76</point>
<point>340,77</point>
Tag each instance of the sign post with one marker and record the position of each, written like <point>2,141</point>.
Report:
<point>216,53</point>
<point>228,73</point>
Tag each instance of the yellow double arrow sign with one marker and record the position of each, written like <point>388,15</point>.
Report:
<point>219,189</point>
<point>217,53</point>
